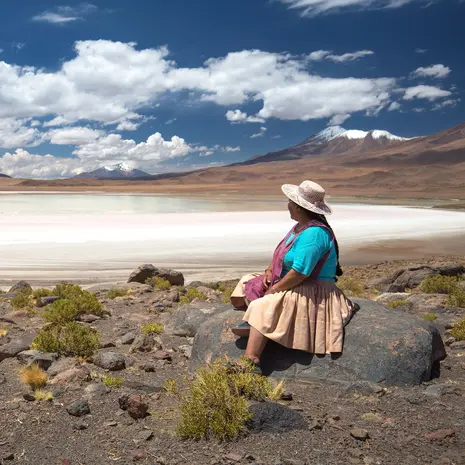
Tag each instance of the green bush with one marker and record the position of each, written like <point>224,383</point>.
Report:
<point>457,298</point>
<point>430,316</point>
<point>160,284</point>
<point>86,301</point>
<point>110,382</point>
<point>192,294</point>
<point>61,312</point>
<point>397,303</point>
<point>439,284</point>
<point>216,406</point>
<point>351,287</point>
<point>22,300</point>
<point>458,330</point>
<point>114,293</point>
<point>42,292</point>
<point>152,328</point>
<point>71,339</point>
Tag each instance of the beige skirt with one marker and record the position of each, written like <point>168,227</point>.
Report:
<point>310,317</point>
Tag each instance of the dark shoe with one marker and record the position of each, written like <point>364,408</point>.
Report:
<point>242,329</point>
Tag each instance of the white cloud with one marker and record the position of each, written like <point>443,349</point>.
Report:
<point>316,7</point>
<point>438,71</point>
<point>237,116</point>
<point>421,50</point>
<point>170,121</point>
<point>394,106</point>
<point>73,136</point>
<point>259,134</point>
<point>22,164</point>
<point>65,14</point>
<point>127,125</point>
<point>446,103</point>
<point>16,132</point>
<point>418,110</point>
<point>425,92</point>
<point>338,119</point>
<point>277,136</point>
<point>321,55</point>
<point>230,149</point>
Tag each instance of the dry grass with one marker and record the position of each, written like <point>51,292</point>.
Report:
<point>192,294</point>
<point>33,376</point>
<point>351,287</point>
<point>430,316</point>
<point>152,328</point>
<point>160,284</point>
<point>397,303</point>
<point>439,285</point>
<point>118,292</point>
<point>458,330</point>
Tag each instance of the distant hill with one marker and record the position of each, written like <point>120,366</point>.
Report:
<point>119,171</point>
<point>4,176</point>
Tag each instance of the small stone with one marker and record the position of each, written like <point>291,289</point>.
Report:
<point>360,434</point>
<point>185,350</point>
<point>8,456</point>
<point>357,453</point>
<point>162,355</point>
<point>88,318</point>
<point>78,374</point>
<point>287,396</point>
<point>44,360</point>
<point>128,338</point>
<point>148,367</point>
<point>145,435</point>
<point>96,390</point>
<point>145,343</point>
<point>316,425</point>
<point>110,423</point>
<point>107,344</point>
<point>80,426</point>
<point>138,455</point>
<point>459,345</point>
<point>234,457</point>
<point>438,390</point>
<point>137,406</point>
<point>112,361</point>
<point>440,435</point>
<point>78,408</point>
<point>29,397</point>
<point>13,348</point>
<point>365,388</point>
<point>372,417</point>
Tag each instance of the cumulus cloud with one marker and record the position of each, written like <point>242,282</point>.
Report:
<point>316,7</point>
<point>394,106</point>
<point>16,132</point>
<point>259,134</point>
<point>321,55</point>
<point>438,71</point>
<point>73,136</point>
<point>65,14</point>
<point>425,92</point>
<point>338,119</point>
<point>238,116</point>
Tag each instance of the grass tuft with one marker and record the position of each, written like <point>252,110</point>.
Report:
<point>216,406</point>
<point>351,287</point>
<point>110,382</point>
<point>41,292</point>
<point>152,328</point>
<point>170,386</point>
<point>192,294</point>
<point>458,330</point>
<point>397,303</point>
<point>430,316</point>
<point>71,339</point>
<point>160,284</point>
<point>439,284</point>
<point>33,376</point>
<point>118,292</point>
<point>457,298</point>
<point>39,395</point>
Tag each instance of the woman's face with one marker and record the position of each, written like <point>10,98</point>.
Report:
<point>293,209</point>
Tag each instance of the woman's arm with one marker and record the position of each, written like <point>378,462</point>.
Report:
<point>292,279</point>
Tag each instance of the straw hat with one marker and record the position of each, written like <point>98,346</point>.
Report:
<point>308,195</point>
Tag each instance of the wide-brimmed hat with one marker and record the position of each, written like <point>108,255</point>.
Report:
<point>308,195</point>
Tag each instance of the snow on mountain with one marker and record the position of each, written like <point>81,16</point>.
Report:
<point>333,132</point>
<point>120,167</point>
<point>119,171</point>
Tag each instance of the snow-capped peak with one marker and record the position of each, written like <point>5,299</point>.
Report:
<point>334,132</point>
<point>120,167</point>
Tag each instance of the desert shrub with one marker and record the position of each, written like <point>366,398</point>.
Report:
<point>61,312</point>
<point>430,316</point>
<point>39,395</point>
<point>70,339</point>
<point>42,292</point>
<point>192,294</point>
<point>397,303</point>
<point>160,284</point>
<point>86,301</point>
<point>216,406</point>
<point>458,330</point>
<point>22,300</point>
<point>2,292</point>
<point>152,328</point>
<point>351,287</point>
<point>114,293</point>
<point>33,376</point>
<point>457,298</point>
<point>227,292</point>
<point>110,382</point>
<point>170,386</point>
<point>439,284</point>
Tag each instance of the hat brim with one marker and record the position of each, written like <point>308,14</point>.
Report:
<point>291,191</point>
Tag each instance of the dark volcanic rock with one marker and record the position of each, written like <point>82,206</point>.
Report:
<point>137,406</point>
<point>411,278</point>
<point>145,343</point>
<point>144,272</point>
<point>112,361</point>
<point>380,346</point>
<point>13,348</point>
<point>21,287</point>
<point>78,408</point>
<point>47,300</point>
<point>44,360</point>
<point>274,418</point>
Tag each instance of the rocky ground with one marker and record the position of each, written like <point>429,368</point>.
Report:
<point>122,405</point>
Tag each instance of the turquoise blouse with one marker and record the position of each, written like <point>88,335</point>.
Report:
<point>307,250</point>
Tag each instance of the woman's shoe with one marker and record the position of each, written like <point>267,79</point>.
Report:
<point>242,329</point>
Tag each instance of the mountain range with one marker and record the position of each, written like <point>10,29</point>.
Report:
<point>4,176</point>
<point>345,162</point>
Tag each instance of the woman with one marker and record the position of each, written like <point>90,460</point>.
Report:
<point>296,302</point>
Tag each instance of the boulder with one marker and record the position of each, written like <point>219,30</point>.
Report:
<point>380,345</point>
<point>22,286</point>
<point>43,359</point>
<point>13,348</point>
<point>176,278</point>
<point>411,278</point>
<point>47,300</point>
<point>449,269</point>
<point>186,320</point>
<point>112,361</point>
<point>271,417</point>
<point>421,303</point>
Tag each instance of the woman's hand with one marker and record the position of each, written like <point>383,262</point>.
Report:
<point>267,277</point>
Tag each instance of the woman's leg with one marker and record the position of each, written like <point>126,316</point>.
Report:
<point>255,345</point>
<point>239,303</point>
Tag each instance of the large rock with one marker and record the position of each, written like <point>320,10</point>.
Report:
<point>21,286</point>
<point>381,346</point>
<point>13,348</point>
<point>176,278</point>
<point>112,361</point>
<point>412,278</point>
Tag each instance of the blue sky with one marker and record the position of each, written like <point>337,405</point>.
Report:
<point>180,84</point>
